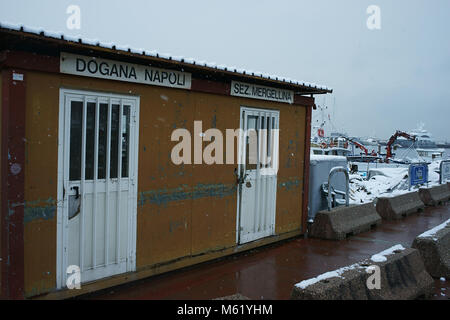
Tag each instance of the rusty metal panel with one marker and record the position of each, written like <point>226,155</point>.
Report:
<point>164,205</point>
<point>214,207</point>
<point>290,174</point>
<point>41,182</point>
<point>306,172</point>
<point>13,151</point>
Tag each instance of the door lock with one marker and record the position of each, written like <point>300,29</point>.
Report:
<point>77,191</point>
<point>241,178</point>
<point>248,184</point>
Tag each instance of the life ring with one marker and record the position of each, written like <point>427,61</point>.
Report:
<point>321,133</point>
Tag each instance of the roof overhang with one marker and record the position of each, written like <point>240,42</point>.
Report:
<point>50,43</point>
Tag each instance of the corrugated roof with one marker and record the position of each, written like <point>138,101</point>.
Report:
<point>154,54</point>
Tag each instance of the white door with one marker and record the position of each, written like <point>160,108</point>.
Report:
<point>258,166</point>
<point>98,184</point>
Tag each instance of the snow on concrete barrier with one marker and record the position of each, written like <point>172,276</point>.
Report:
<point>395,208</point>
<point>434,247</point>
<point>341,222</point>
<point>435,196</point>
<point>394,274</point>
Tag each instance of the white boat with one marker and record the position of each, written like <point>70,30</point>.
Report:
<point>332,145</point>
<point>424,148</point>
<point>333,151</point>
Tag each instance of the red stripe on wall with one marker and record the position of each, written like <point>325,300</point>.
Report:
<point>211,86</point>
<point>304,101</point>
<point>306,169</point>
<point>29,61</point>
<point>13,183</point>
<point>4,195</point>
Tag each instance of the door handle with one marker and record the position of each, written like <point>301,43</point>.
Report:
<point>241,179</point>
<point>77,191</point>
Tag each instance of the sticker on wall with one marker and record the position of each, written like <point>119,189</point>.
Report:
<point>122,71</point>
<point>15,168</point>
<point>17,77</point>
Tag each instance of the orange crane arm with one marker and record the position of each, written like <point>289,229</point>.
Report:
<point>392,141</point>
<point>358,145</point>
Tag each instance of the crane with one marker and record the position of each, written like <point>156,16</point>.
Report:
<point>359,145</point>
<point>391,141</point>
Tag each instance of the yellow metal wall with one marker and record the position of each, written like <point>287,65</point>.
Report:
<point>41,164</point>
<point>182,210</point>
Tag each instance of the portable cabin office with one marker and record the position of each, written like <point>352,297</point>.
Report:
<point>88,179</point>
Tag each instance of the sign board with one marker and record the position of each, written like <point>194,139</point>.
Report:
<point>253,91</point>
<point>418,174</point>
<point>445,171</point>
<point>122,71</point>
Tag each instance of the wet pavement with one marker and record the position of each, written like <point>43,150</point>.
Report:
<point>271,272</point>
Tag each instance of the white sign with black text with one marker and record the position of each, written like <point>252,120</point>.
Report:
<point>445,171</point>
<point>122,71</point>
<point>247,90</point>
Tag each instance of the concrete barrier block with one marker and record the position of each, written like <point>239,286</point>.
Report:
<point>341,222</point>
<point>434,247</point>
<point>402,276</point>
<point>435,196</point>
<point>395,208</point>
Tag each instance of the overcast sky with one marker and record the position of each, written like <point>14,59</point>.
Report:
<point>383,80</point>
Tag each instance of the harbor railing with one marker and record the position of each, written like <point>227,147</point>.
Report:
<point>347,185</point>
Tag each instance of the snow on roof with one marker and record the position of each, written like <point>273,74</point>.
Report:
<point>151,53</point>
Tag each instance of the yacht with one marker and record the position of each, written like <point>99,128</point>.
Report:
<point>424,139</point>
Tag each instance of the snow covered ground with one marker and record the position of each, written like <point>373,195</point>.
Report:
<point>386,182</point>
